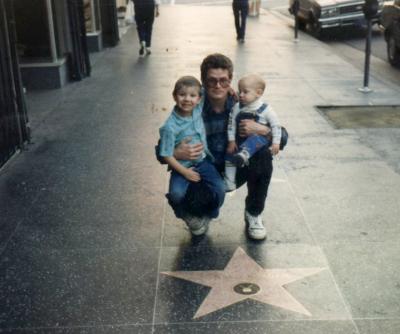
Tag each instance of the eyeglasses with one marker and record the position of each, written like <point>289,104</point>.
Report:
<point>213,82</point>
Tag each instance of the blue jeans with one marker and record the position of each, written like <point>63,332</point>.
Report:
<point>254,143</point>
<point>251,144</point>
<point>178,187</point>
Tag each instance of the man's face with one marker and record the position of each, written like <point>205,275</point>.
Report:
<point>217,83</point>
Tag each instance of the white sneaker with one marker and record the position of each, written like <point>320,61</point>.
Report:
<point>255,227</point>
<point>148,51</point>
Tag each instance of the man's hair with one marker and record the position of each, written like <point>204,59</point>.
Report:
<point>214,61</point>
<point>186,81</point>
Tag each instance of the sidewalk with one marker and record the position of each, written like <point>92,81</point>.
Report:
<point>89,245</point>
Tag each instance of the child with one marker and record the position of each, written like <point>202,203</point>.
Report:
<point>240,150</point>
<point>186,121</point>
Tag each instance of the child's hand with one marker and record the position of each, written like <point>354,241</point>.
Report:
<point>274,149</point>
<point>191,175</point>
<point>232,147</point>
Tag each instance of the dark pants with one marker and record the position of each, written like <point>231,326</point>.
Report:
<point>258,177</point>
<point>178,187</point>
<point>240,11</point>
<point>144,17</point>
<point>257,174</point>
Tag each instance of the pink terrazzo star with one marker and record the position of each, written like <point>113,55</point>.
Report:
<point>243,278</point>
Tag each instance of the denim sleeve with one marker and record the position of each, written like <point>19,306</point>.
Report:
<point>167,142</point>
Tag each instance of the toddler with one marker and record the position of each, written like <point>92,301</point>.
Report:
<point>250,106</point>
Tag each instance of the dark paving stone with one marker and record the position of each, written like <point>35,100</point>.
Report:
<point>111,329</point>
<point>255,327</point>
<point>373,326</point>
<point>42,288</point>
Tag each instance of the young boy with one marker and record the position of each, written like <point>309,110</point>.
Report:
<point>186,121</point>
<point>240,150</point>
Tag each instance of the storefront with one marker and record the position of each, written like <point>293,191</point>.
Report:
<point>51,42</point>
<point>14,131</point>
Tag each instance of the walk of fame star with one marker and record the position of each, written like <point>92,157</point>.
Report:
<point>243,278</point>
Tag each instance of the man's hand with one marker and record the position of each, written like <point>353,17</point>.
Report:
<point>234,94</point>
<point>186,151</point>
<point>232,147</point>
<point>274,149</point>
<point>249,127</point>
<point>191,175</point>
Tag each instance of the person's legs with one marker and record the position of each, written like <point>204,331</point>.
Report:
<point>210,176</point>
<point>178,186</point>
<point>236,14</point>
<point>140,26</point>
<point>243,15</point>
<point>258,176</point>
<point>258,180</point>
<point>149,28</point>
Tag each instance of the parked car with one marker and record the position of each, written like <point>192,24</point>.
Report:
<point>319,15</point>
<point>390,22</point>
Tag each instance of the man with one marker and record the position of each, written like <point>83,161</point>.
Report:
<point>216,76</point>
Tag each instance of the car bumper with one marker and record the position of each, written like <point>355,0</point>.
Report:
<point>342,21</point>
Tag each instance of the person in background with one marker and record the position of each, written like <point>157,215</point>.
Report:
<point>145,12</point>
<point>240,11</point>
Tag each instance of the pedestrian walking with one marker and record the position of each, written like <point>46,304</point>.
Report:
<point>240,12</point>
<point>145,12</point>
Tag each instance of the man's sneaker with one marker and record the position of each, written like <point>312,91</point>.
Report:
<point>255,227</point>
<point>148,51</point>
<point>241,159</point>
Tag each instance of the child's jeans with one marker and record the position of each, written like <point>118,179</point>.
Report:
<point>252,145</point>
<point>178,186</point>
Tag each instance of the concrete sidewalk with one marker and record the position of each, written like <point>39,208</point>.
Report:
<point>89,245</point>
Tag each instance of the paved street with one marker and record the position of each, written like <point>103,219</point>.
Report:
<point>88,243</point>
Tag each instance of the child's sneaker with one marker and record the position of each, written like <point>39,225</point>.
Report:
<point>241,159</point>
<point>255,227</point>
<point>148,51</point>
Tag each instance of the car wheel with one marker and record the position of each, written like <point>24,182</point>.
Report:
<point>393,51</point>
<point>314,27</point>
